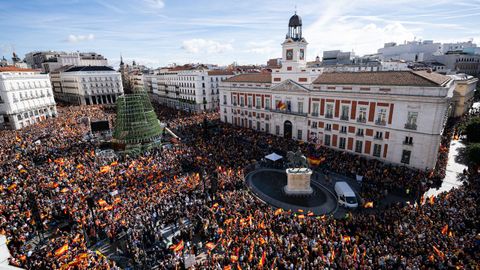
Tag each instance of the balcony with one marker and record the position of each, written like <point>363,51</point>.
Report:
<point>378,137</point>
<point>258,107</point>
<point>289,112</point>
<point>315,114</point>
<point>327,128</point>
<point>407,143</point>
<point>380,122</point>
<point>344,117</point>
<point>411,126</point>
<point>344,131</point>
<point>328,115</point>
<point>361,120</point>
<point>359,134</point>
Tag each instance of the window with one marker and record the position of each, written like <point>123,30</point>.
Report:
<point>314,124</point>
<point>250,124</point>
<point>225,119</point>
<point>267,104</point>
<point>379,135</point>
<point>408,140</point>
<point>344,115</point>
<point>277,130</point>
<point>258,126</point>
<point>315,109</point>
<point>343,129</point>
<point>381,117</point>
<point>327,139</point>
<point>329,113</point>
<point>359,131</point>
<point>258,103</point>
<point>300,107</point>
<point>242,101</point>
<point>234,100</point>
<point>225,99</point>
<point>362,115</point>
<point>299,134</point>
<point>412,120</point>
<point>406,156</point>
<point>267,127</point>
<point>377,149</point>
<point>289,106</point>
<point>328,126</point>
<point>342,143</point>
<point>358,146</point>
<point>249,101</point>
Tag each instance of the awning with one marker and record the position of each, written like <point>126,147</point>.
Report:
<point>273,157</point>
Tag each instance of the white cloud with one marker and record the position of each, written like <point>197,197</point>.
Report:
<point>199,45</point>
<point>267,48</point>
<point>77,38</point>
<point>158,4</point>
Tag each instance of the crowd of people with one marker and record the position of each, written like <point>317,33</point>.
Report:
<point>130,201</point>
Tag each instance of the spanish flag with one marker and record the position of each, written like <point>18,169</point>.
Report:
<point>439,252</point>
<point>263,259</point>
<point>210,246</point>
<point>105,169</point>
<point>278,211</point>
<point>315,161</point>
<point>445,229</point>
<point>178,247</point>
<point>115,163</point>
<point>12,186</point>
<point>347,239</point>
<point>61,250</point>
<point>102,202</point>
<point>368,205</point>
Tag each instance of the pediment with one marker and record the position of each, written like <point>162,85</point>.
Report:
<point>290,86</point>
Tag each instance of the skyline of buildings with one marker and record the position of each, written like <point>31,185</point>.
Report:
<point>215,33</point>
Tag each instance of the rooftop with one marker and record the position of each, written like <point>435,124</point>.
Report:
<point>219,72</point>
<point>17,69</point>
<point>252,77</point>
<point>400,78</point>
<point>89,68</point>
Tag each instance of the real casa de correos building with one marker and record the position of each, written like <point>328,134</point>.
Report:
<point>25,97</point>
<point>395,116</point>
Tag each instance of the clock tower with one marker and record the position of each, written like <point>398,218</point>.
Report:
<point>294,54</point>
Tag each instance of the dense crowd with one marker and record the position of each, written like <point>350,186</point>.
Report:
<point>135,199</point>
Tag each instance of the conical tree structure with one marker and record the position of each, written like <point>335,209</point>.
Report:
<point>136,121</point>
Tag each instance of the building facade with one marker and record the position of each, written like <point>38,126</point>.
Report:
<point>26,97</point>
<point>87,85</point>
<point>411,51</point>
<point>186,87</point>
<point>395,116</point>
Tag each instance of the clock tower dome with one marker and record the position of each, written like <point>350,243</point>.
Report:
<point>294,54</point>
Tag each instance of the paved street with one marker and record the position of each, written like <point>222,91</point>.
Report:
<point>454,171</point>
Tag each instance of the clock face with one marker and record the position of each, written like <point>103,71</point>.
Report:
<point>289,54</point>
<point>302,54</point>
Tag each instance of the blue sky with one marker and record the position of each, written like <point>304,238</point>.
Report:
<point>161,32</point>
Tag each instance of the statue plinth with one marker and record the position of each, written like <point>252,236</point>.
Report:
<point>298,181</point>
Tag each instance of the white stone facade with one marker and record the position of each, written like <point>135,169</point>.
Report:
<point>194,89</point>
<point>87,85</point>
<point>395,116</point>
<point>26,97</point>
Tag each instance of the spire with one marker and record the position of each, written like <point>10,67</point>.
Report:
<point>121,60</point>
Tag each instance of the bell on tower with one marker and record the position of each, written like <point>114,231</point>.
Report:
<point>295,28</point>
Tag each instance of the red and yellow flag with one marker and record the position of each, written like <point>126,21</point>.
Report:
<point>61,250</point>
<point>445,229</point>
<point>261,263</point>
<point>368,205</point>
<point>178,247</point>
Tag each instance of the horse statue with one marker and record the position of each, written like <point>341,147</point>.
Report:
<point>296,160</point>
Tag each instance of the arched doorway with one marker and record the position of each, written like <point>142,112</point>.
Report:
<point>287,129</point>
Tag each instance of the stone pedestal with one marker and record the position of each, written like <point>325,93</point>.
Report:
<point>298,181</point>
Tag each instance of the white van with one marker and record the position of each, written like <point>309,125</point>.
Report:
<point>346,196</point>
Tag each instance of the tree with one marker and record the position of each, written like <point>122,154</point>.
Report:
<point>473,151</point>
<point>473,130</point>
